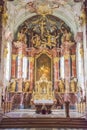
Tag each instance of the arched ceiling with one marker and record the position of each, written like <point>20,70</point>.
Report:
<point>66,10</point>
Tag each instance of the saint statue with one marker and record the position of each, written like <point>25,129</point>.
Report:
<point>13,86</point>
<point>36,40</point>
<point>73,85</point>
<point>26,86</point>
<point>22,36</point>
<point>61,86</point>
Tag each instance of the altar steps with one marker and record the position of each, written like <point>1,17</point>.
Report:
<point>43,123</point>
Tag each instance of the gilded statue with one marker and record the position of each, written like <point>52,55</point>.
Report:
<point>22,36</point>
<point>67,36</point>
<point>61,86</point>
<point>83,17</point>
<point>73,85</point>
<point>51,40</point>
<point>4,16</point>
<point>5,51</point>
<point>36,40</point>
<point>43,77</point>
<point>43,86</point>
<point>12,87</point>
<point>26,86</point>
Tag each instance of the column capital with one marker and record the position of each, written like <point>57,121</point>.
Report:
<point>31,59</point>
<point>14,56</point>
<point>82,51</point>
<point>56,59</point>
<point>73,57</point>
<point>66,56</point>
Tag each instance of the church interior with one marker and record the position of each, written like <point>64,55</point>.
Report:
<point>43,61</point>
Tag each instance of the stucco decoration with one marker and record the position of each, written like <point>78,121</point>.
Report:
<point>67,10</point>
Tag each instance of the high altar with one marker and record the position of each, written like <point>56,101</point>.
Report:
<point>43,61</point>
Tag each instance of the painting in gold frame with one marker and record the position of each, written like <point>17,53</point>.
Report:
<point>43,66</point>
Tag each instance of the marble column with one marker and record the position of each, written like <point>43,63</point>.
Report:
<point>13,66</point>
<point>1,59</point>
<point>0,46</point>
<point>67,72</point>
<point>24,68</point>
<point>56,72</point>
<point>73,66</point>
<point>28,68</point>
<point>66,49</point>
<point>20,61</point>
<point>31,72</point>
<point>0,29</point>
<point>85,55</point>
<point>82,42</point>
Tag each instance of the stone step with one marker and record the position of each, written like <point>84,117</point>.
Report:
<point>43,123</point>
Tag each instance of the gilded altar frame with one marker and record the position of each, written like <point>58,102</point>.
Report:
<point>51,65</point>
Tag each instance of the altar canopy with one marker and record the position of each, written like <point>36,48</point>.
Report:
<point>43,52</point>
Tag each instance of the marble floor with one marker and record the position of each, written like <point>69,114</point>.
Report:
<point>31,113</point>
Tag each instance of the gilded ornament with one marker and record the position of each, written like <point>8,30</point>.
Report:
<point>73,85</point>
<point>43,89</point>
<point>66,57</point>
<point>31,59</point>
<point>73,57</point>
<point>56,59</point>
<point>5,52</point>
<point>14,57</point>
<point>61,86</point>
<point>83,17</point>
<point>81,51</point>
<point>20,55</point>
<point>44,9</point>
<point>4,18</point>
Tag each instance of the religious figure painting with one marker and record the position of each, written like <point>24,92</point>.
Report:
<point>43,66</point>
